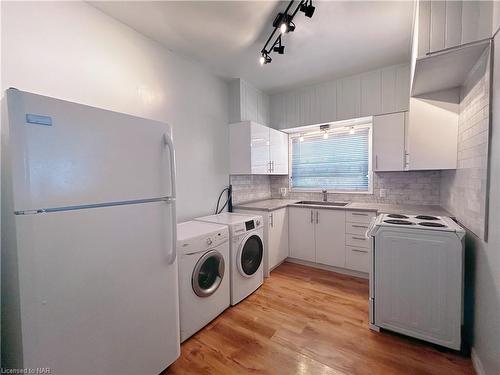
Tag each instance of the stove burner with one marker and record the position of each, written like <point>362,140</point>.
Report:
<point>398,216</point>
<point>431,224</point>
<point>399,222</point>
<point>426,217</point>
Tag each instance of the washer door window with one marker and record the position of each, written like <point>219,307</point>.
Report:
<point>251,255</point>
<point>208,273</point>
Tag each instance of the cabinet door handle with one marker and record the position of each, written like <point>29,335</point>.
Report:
<point>272,221</point>
<point>359,250</point>
<point>317,217</point>
<point>359,226</point>
<point>358,214</point>
<point>376,162</point>
<point>358,238</point>
<point>312,219</point>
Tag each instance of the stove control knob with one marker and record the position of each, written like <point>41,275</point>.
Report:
<point>209,241</point>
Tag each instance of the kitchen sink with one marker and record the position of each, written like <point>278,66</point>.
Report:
<point>321,203</point>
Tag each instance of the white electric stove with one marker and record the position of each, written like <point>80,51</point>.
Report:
<point>416,277</point>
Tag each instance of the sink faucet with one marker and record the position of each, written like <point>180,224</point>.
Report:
<point>325,196</point>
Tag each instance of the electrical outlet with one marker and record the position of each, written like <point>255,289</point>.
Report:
<point>383,193</point>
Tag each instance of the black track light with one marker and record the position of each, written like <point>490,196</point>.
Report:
<point>307,8</point>
<point>279,48</point>
<point>283,23</point>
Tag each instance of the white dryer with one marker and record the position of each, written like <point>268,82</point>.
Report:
<point>204,284</point>
<point>246,252</point>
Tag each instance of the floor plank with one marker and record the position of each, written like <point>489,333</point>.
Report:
<point>309,321</point>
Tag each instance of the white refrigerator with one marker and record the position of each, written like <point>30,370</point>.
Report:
<point>89,269</point>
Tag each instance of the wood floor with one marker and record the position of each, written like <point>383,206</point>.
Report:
<point>308,321</point>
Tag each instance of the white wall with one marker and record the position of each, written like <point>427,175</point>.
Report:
<point>72,51</point>
<point>486,255</point>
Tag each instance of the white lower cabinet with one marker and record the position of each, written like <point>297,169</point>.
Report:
<point>357,246</point>
<point>317,235</point>
<point>301,237</point>
<point>330,237</point>
<point>277,243</point>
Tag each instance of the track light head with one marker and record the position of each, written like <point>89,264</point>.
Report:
<point>265,58</point>
<point>278,47</point>
<point>307,8</point>
<point>284,22</point>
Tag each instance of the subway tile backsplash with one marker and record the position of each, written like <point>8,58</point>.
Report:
<point>416,187</point>
<point>463,191</point>
<point>247,188</point>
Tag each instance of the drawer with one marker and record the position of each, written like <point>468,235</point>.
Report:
<point>359,216</point>
<point>357,258</point>
<point>356,228</point>
<point>357,240</point>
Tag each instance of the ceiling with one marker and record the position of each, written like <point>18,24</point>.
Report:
<point>342,38</point>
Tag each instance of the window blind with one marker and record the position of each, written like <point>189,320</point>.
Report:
<point>340,162</point>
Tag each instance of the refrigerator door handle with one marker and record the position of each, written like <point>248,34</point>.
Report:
<point>170,145</point>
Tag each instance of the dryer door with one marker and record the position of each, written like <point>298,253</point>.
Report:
<point>208,273</point>
<point>250,255</point>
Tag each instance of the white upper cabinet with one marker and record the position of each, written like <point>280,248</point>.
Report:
<point>371,98</point>
<point>372,93</point>
<point>389,142</point>
<point>278,151</point>
<point>247,103</point>
<point>448,38</point>
<point>441,24</point>
<point>348,98</point>
<point>395,89</point>
<point>257,149</point>
<point>433,131</point>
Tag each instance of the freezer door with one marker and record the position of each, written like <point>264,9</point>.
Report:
<point>66,154</point>
<point>97,292</point>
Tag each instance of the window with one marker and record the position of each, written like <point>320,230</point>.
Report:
<point>337,160</point>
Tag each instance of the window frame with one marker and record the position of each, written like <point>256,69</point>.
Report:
<point>295,134</point>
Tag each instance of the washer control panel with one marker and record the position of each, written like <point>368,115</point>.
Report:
<point>248,225</point>
<point>203,242</point>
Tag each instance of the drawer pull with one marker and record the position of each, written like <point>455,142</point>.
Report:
<point>358,238</point>
<point>358,214</point>
<point>359,250</point>
<point>359,226</point>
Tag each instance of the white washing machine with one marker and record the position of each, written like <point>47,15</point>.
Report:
<point>204,286</point>
<point>246,234</point>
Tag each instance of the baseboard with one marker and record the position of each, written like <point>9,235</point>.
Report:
<point>476,362</point>
<point>328,268</point>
